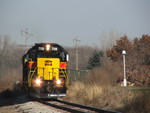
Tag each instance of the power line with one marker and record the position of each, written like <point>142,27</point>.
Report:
<point>77,60</point>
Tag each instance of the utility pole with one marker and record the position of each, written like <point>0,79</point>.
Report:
<point>0,43</point>
<point>76,43</point>
<point>27,35</point>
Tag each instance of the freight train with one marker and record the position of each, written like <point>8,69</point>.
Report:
<point>45,70</point>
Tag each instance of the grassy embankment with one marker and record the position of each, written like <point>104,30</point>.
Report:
<point>98,90</point>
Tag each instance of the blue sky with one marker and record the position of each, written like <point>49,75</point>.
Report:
<point>60,21</point>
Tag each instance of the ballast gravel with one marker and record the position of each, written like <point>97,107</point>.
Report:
<point>26,107</point>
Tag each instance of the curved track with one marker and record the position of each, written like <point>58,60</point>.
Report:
<point>74,108</point>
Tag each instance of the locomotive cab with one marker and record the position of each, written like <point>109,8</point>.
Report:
<point>44,70</point>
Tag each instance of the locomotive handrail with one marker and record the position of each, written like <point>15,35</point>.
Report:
<point>31,73</point>
<point>63,72</point>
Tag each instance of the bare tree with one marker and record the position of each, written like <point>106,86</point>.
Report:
<point>108,39</point>
<point>3,49</point>
<point>10,62</point>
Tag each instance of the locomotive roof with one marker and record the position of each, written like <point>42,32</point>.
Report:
<point>35,47</point>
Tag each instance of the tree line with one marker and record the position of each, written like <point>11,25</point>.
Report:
<point>137,59</point>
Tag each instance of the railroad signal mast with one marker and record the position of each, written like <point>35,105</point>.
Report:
<point>76,40</point>
<point>27,36</point>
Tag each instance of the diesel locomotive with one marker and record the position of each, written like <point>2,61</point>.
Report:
<point>45,70</point>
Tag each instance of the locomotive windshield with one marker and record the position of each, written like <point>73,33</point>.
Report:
<point>43,54</point>
<point>54,54</point>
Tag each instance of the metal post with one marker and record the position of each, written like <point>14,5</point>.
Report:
<point>124,68</point>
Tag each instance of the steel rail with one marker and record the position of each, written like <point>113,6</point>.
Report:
<point>60,107</point>
<point>94,109</point>
<point>87,107</point>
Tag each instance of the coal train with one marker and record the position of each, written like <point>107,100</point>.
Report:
<point>45,70</point>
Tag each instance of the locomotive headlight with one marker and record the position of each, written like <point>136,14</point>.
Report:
<point>48,47</point>
<point>38,81</point>
<point>58,82</point>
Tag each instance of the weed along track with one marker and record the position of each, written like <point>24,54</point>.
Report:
<point>73,107</point>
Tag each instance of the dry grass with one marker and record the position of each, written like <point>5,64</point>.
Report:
<point>110,98</point>
<point>83,93</point>
<point>9,78</point>
<point>105,75</point>
<point>8,86</point>
<point>140,103</point>
<point>98,90</point>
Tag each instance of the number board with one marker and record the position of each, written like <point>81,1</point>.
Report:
<point>41,48</point>
<point>53,48</point>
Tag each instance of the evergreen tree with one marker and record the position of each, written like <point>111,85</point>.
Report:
<point>95,59</point>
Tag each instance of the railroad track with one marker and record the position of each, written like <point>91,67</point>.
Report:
<point>74,108</point>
